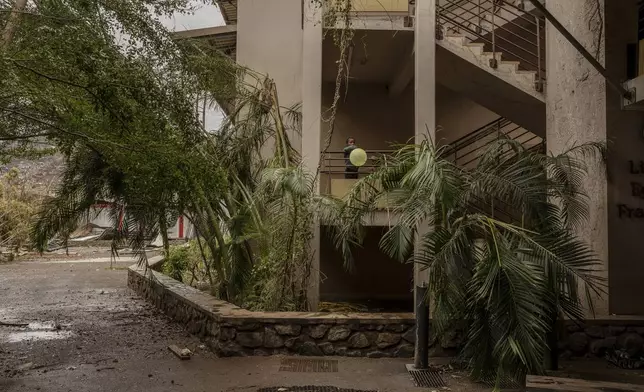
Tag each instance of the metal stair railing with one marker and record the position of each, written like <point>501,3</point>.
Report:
<point>467,150</point>
<point>514,32</point>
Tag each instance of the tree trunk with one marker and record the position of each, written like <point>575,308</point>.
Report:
<point>12,23</point>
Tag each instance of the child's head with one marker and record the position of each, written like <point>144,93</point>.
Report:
<point>351,141</point>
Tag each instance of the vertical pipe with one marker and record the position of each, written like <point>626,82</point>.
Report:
<point>421,355</point>
<point>493,62</point>
<point>539,78</point>
<point>480,29</point>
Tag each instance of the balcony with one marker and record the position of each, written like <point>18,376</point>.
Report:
<point>334,182</point>
<point>382,6</point>
<point>373,15</point>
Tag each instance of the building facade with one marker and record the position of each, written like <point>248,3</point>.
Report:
<point>464,70</point>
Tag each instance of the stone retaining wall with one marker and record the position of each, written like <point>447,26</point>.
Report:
<point>232,331</point>
<point>595,337</point>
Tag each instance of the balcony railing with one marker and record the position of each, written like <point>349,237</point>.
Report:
<point>377,6</point>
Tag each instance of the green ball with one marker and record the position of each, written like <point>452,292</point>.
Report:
<point>358,157</point>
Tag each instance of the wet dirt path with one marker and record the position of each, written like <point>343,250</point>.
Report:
<point>88,332</point>
<point>82,320</point>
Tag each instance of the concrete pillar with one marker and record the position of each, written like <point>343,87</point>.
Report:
<point>311,122</point>
<point>576,109</point>
<point>424,86</point>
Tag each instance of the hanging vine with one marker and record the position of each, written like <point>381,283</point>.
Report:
<point>337,14</point>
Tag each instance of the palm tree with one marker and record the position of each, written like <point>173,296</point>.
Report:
<point>502,257</point>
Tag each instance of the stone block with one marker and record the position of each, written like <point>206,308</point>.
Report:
<point>226,334</point>
<point>341,350</point>
<point>386,339</point>
<point>250,339</point>
<point>404,351</point>
<point>359,340</point>
<point>396,328</point>
<point>338,333</point>
<point>295,342</point>
<point>616,330</point>
<point>630,342</point>
<point>327,348</point>
<point>248,326</point>
<point>309,349</point>
<point>573,327</point>
<point>577,343</point>
<point>377,354</point>
<point>272,339</point>
<point>318,331</point>
<point>288,329</point>
<point>595,331</point>
<point>639,330</point>
<point>410,335</point>
<point>230,349</point>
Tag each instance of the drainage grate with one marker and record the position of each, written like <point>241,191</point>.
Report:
<point>309,365</point>
<point>309,388</point>
<point>506,383</point>
<point>426,378</point>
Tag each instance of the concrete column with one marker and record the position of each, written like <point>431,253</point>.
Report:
<point>576,109</point>
<point>424,86</point>
<point>311,122</point>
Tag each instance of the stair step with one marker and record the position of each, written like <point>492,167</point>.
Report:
<point>496,55</point>
<point>513,65</point>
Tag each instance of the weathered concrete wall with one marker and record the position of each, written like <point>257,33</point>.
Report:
<point>269,41</point>
<point>576,110</point>
<point>377,120</point>
<point>626,137</point>
<point>370,115</point>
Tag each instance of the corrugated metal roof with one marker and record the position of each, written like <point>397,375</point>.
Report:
<point>228,9</point>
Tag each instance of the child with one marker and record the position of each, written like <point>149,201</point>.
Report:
<point>350,170</point>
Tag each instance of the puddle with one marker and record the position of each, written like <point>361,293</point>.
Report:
<point>48,330</point>
<point>18,337</point>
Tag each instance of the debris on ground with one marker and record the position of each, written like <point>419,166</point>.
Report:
<point>622,359</point>
<point>182,353</point>
<point>21,325</point>
<point>25,366</point>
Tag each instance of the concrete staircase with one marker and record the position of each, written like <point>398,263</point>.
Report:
<point>507,70</point>
<point>493,51</point>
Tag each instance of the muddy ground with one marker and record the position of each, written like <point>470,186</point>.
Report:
<point>87,332</point>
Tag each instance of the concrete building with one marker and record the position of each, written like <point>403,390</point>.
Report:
<point>464,70</point>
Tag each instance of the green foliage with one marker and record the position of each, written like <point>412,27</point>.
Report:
<point>177,262</point>
<point>108,86</point>
<point>498,243</point>
<point>17,208</point>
